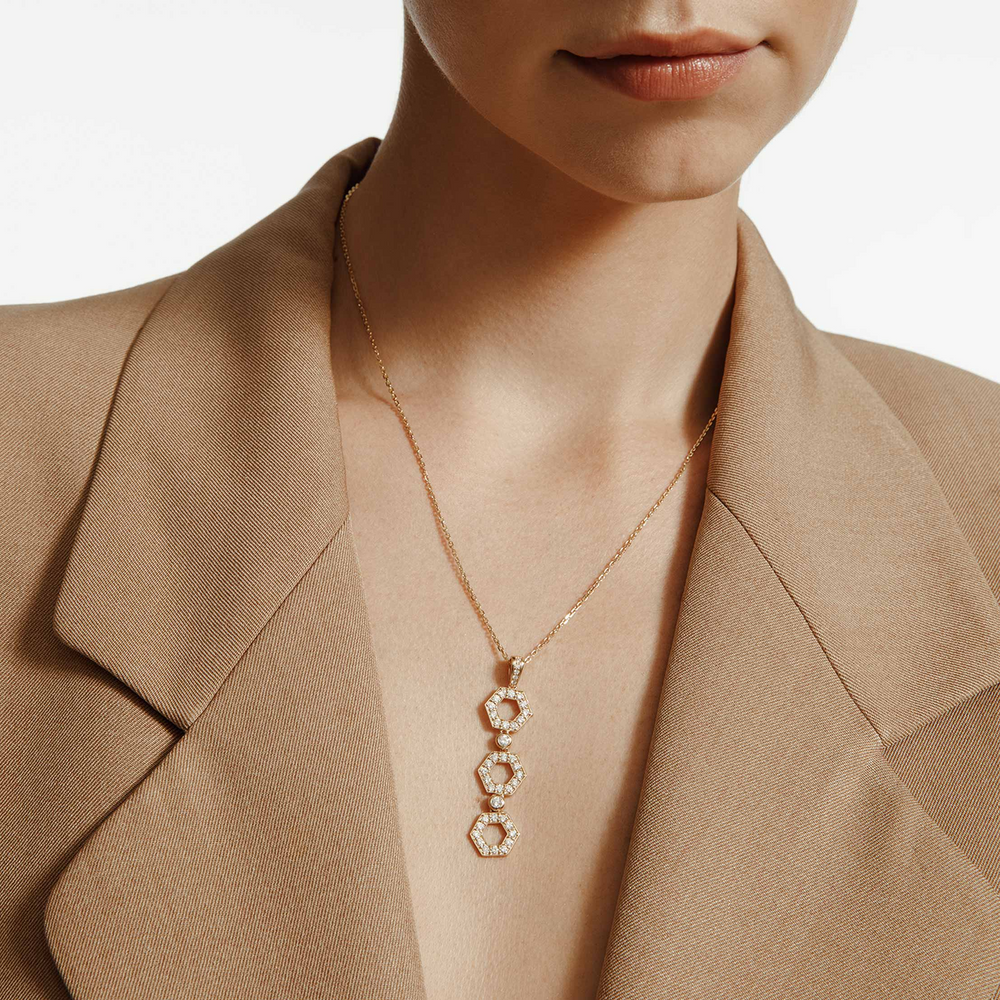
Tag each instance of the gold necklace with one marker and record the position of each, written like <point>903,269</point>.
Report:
<point>498,791</point>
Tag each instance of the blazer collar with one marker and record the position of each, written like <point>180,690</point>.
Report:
<point>832,607</point>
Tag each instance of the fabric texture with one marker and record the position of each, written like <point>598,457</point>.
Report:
<point>187,663</point>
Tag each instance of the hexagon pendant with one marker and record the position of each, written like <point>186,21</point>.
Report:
<point>499,791</point>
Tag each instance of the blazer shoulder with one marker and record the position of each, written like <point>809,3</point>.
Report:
<point>927,393</point>
<point>60,362</point>
<point>93,323</point>
<point>953,415</point>
<point>57,354</point>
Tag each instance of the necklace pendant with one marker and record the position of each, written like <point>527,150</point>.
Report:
<point>500,791</point>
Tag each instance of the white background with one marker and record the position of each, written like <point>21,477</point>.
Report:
<point>139,136</point>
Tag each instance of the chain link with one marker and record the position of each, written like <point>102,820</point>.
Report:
<point>433,499</point>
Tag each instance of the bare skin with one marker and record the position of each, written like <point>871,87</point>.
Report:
<point>549,277</point>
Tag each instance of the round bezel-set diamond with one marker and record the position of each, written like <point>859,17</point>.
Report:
<point>500,819</point>
<point>508,694</point>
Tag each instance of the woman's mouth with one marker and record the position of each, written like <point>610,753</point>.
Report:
<point>663,77</point>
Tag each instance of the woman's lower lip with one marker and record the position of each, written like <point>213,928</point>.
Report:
<point>655,78</point>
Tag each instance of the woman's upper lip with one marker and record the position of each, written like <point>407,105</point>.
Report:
<point>703,41</point>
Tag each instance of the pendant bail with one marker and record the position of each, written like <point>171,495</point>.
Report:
<point>516,665</point>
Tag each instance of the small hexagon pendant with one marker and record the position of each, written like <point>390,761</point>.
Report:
<point>502,820</point>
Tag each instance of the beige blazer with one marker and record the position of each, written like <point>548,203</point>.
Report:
<point>197,797</point>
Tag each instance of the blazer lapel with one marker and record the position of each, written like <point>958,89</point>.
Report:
<point>832,607</point>
<point>220,475</point>
<point>213,573</point>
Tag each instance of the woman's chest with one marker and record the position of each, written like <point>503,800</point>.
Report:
<point>536,920</point>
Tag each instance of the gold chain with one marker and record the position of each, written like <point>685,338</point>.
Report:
<point>433,500</point>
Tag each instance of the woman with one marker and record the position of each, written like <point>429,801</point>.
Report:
<point>255,620</point>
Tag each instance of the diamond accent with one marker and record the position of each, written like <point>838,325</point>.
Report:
<point>504,740</point>
<point>503,787</point>
<point>500,819</point>
<point>508,694</point>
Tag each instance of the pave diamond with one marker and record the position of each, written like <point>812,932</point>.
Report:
<point>508,694</point>
<point>504,787</point>
<point>500,819</point>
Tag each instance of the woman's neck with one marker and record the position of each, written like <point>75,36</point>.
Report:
<point>494,280</point>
